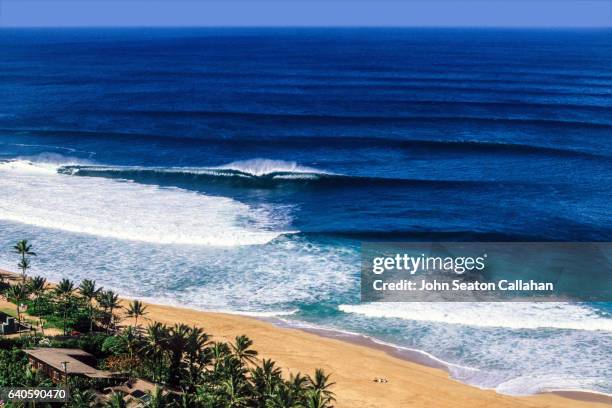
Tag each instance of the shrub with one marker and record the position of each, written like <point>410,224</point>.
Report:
<point>113,345</point>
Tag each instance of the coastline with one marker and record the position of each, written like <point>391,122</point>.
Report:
<point>354,361</point>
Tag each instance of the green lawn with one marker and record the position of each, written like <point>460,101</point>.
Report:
<point>11,311</point>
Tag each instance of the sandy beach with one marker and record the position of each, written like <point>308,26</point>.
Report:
<point>354,366</point>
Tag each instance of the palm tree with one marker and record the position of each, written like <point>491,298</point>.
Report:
<point>196,356</point>
<point>64,291</point>
<point>35,378</point>
<point>297,384</point>
<point>24,265</point>
<point>242,349</point>
<point>187,400</point>
<point>80,399</point>
<point>266,377</point>
<point>109,301</point>
<point>37,287</point>
<point>136,309</point>
<point>130,340</point>
<point>17,294</point>
<point>205,397</point>
<point>234,392</point>
<point>219,352</point>
<point>158,399</point>
<point>316,399</point>
<point>24,249</point>
<point>89,292</point>
<point>116,401</point>
<point>155,346</point>
<point>283,397</point>
<point>176,345</point>
<point>321,383</point>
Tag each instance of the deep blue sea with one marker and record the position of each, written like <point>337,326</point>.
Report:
<point>239,170</point>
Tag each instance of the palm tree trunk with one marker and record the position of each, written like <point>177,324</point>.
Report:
<point>18,316</point>
<point>65,317</point>
<point>90,317</point>
<point>23,270</point>
<point>110,321</point>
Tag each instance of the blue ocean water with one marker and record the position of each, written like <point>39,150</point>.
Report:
<point>239,170</point>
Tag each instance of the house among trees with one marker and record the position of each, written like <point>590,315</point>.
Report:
<point>57,363</point>
<point>137,392</point>
<point>7,324</point>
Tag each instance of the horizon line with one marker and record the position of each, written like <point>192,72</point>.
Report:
<point>486,27</point>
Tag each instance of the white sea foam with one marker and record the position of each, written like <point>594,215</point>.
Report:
<point>74,170</point>
<point>534,384</point>
<point>248,279</point>
<point>34,193</point>
<point>520,315</point>
<point>262,167</point>
<point>335,332</point>
<point>303,176</point>
<point>244,168</point>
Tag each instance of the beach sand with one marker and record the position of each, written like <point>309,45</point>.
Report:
<point>354,366</point>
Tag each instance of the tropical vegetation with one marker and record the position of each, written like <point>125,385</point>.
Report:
<point>189,368</point>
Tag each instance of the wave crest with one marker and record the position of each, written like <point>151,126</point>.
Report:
<point>262,174</point>
<point>36,194</point>
<point>265,167</point>
<point>522,315</point>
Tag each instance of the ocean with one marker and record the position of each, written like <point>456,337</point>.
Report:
<point>239,170</point>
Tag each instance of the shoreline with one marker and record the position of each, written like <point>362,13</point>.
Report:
<point>427,360</point>
<point>354,361</point>
<point>398,366</point>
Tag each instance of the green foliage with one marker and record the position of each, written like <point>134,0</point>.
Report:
<point>64,295</point>
<point>114,345</point>
<point>42,305</point>
<point>89,292</point>
<point>17,294</point>
<point>242,349</point>
<point>226,375</point>
<point>136,309</point>
<point>9,343</point>
<point>13,367</point>
<point>109,301</point>
<point>81,398</point>
<point>116,401</point>
<point>24,249</point>
<point>159,399</point>
<point>209,374</point>
<point>180,357</point>
<point>92,343</point>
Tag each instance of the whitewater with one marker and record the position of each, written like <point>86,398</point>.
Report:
<point>263,269</point>
<point>196,177</point>
<point>36,194</point>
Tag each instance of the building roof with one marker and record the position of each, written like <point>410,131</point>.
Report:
<point>75,358</point>
<point>138,391</point>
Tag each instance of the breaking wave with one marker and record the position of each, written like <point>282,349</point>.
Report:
<point>36,193</point>
<point>260,173</point>
<point>521,315</point>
